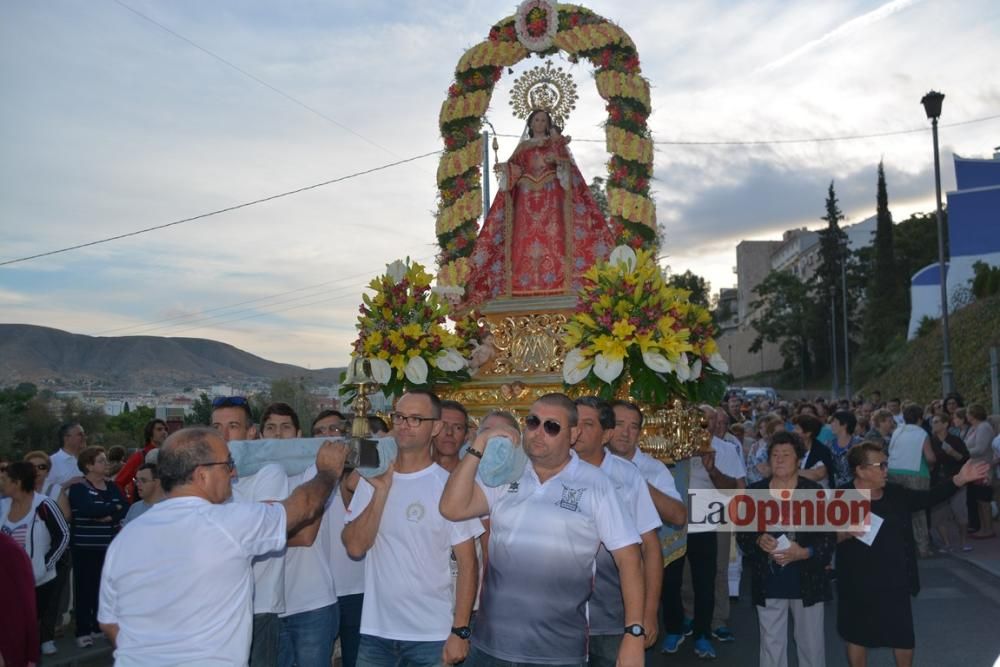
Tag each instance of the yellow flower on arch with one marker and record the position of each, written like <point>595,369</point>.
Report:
<point>612,348</point>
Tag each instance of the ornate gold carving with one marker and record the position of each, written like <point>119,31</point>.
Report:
<point>674,433</point>
<point>526,344</point>
<point>513,396</point>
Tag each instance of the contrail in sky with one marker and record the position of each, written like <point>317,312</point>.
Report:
<point>873,16</point>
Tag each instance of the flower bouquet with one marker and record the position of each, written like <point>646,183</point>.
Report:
<point>402,333</point>
<point>632,335</point>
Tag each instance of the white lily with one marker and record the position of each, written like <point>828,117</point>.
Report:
<point>623,255</point>
<point>718,363</point>
<point>575,366</point>
<point>682,368</point>
<point>608,369</point>
<point>396,271</point>
<point>696,369</point>
<point>657,362</point>
<point>450,360</point>
<point>381,370</point>
<point>416,370</point>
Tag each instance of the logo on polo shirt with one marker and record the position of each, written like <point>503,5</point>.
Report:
<point>571,499</point>
<point>415,512</point>
<point>512,487</point>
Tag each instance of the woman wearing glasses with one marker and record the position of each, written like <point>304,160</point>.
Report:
<point>875,582</point>
<point>37,525</point>
<point>98,508</point>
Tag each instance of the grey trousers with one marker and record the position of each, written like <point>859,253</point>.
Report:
<point>919,521</point>
<point>808,631</point>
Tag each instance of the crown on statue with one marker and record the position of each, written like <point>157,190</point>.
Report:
<point>545,88</point>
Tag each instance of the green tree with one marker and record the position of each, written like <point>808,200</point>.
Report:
<point>130,425</point>
<point>699,287</point>
<point>915,241</point>
<point>201,412</point>
<point>295,392</point>
<point>888,299</point>
<point>786,311</point>
<point>826,282</point>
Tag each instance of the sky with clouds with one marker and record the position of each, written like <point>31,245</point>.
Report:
<point>112,123</point>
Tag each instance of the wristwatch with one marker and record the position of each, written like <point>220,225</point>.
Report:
<point>635,630</point>
<point>463,632</point>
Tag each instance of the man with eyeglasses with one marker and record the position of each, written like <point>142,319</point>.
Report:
<point>348,574</point>
<point>454,429</point>
<point>154,433</point>
<point>546,528</point>
<point>409,615</point>
<point>311,617</point>
<point>177,586</point>
<point>150,492</point>
<point>72,439</point>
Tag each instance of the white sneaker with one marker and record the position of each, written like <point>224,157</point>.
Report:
<point>49,648</point>
<point>84,641</point>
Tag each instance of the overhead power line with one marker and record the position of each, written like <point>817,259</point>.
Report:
<point>803,140</point>
<point>256,79</point>
<point>202,216</point>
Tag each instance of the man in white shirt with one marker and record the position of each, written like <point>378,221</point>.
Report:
<point>721,468</point>
<point>606,612</point>
<point>232,418</point>
<point>348,574</point>
<point>177,586</point>
<point>395,519</point>
<point>72,439</point>
<point>546,529</point>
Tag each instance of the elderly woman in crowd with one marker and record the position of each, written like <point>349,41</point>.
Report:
<point>37,525</point>
<point>98,507</point>
<point>789,580</point>
<point>43,464</point>
<point>979,441</point>
<point>875,582</point>
<point>910,461</point>
<point>883,424</point>
<point>951,454</point>
<point>757,465</point>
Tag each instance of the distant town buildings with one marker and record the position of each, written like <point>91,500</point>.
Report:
<point>798,253</point>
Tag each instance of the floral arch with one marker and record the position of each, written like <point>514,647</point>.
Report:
<point>543,27</point>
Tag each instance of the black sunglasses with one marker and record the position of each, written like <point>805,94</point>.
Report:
<point>532,422</point>
<point>229,402</point>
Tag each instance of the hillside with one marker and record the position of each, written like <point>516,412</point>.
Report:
<point>50,357</point>
<point>917,374</point>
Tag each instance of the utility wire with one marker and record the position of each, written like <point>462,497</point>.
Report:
<point>228,209</point>
<point>199,316</point>
<point>804,140</point>
<point>255,79</point>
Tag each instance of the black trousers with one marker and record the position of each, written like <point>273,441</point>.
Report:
<point>87,564</point>
<point>701,553</point>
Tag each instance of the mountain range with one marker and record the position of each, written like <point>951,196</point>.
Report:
<point>59,359</point>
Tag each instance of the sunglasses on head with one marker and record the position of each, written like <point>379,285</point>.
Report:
<point>229,402</point>
<point>532,422</point>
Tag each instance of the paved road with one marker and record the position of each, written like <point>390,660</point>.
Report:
<point>956,617</point>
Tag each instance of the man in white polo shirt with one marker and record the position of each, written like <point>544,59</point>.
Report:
<point>72,440</point>
<point>606,615</point>
<point>394,518</point>
<point>177,587</point>
<point>546,530</point>
<point>721,468</point>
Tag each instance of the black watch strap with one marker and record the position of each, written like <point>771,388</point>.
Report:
<point>635,630</point>
<point>463,632</point>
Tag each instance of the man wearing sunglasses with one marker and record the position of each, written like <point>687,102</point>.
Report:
<point>409,615</point>
<point>177,585</point>
<point>546,529</point>
<point>596,421</point>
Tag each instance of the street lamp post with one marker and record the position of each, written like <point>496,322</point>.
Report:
<point>932,106</point>
<point>847,340</point>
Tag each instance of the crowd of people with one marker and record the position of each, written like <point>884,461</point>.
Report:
<point>584,557</point>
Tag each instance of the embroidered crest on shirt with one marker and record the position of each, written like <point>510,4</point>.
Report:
<point>512,487</point>
<point>571,499</point>
<point>415,512</point>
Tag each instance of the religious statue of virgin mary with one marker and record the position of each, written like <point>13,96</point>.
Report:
<point>544,229</point>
